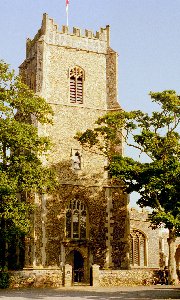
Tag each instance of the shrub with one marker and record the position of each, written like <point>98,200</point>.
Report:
<point>4,280</point>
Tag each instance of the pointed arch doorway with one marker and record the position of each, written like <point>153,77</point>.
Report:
<point>78,271</point>
<point>76,259</point>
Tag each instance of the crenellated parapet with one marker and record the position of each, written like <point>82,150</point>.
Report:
<point>139,215</point>
<point>48,24</point>
<point>88,41</point>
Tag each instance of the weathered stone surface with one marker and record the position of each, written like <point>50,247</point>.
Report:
<point>126,277</point>
<point>36,278</point>
<point>139,220</point>
<point>49,59</point>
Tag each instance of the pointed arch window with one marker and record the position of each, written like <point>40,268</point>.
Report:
<point>138,255</point>
<point>76,85</point>
<point>76,220</point>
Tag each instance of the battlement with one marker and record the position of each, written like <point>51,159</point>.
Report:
<point>139,214</point>
<point>48,24</point>
<point>49,31</point>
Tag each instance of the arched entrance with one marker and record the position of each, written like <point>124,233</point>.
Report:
<point>76,259</point>
<point>78,271</point>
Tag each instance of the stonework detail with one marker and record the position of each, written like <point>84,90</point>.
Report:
<point>55,60</point>
<point>77,75</point>
<point>37,278</point>
<point>127,277</point>
<point>139,222</point>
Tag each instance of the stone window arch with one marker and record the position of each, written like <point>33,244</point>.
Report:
<point>138,248</point>
<point>76,76</point>
<point>76,220</point>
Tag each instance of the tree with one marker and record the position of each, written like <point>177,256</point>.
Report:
<point>158,180</point>
<point>21,169</point>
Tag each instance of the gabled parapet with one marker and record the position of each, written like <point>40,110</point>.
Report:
<point>89,41</point>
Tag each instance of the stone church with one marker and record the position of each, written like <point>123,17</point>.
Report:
<point>87,221</point>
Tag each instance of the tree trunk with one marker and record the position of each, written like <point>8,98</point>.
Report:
<point>3,245</point>
<point>172,276</point>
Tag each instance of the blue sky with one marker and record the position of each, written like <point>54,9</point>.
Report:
<point>145,33</point>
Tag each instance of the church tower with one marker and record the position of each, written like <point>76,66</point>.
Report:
<point>86,220</point>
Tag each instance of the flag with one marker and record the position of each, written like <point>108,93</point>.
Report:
<point>67,5</point>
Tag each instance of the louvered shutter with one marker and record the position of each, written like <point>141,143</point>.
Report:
<point>79,90</point>
<point>76,85</point>
<point>72,90</point>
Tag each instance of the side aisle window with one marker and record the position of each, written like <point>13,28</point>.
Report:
<point>76,85</point>
<point>138,242</point>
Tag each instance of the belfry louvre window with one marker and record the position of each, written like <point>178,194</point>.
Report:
<point>76,220</point>
<point>76,85</point>
<point>137,249</point>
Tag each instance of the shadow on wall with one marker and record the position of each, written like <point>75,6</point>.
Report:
<point>68,170</point>
<point>150,293</point>
<point>73,185</point>
<point>177,257</point>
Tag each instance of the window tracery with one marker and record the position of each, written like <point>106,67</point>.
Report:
<point>137,248</point>
<point>76,220</point>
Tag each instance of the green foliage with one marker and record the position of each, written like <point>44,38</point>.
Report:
<point>21,169</point>
<point>106,134</point>
<point>157,136</point>
<point>4,280</point>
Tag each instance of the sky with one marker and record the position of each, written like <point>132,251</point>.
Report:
<point>145,33</point>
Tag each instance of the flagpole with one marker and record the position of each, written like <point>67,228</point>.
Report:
<point>67,12</point>
<point>67,17</point>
